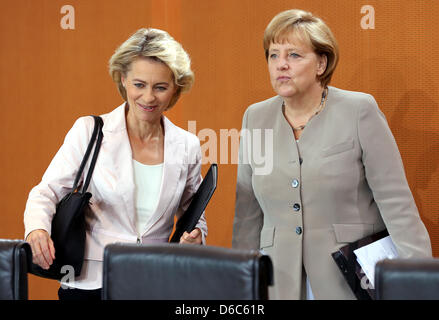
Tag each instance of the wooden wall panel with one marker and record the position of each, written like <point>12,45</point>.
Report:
<point>51,76</point>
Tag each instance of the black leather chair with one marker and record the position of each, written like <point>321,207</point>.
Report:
<point>407,279</point>
<point>184,272</point>
<point>14,261</point>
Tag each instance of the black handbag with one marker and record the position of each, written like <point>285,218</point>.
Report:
<point>68,224</point>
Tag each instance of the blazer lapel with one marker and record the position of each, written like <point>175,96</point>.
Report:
<point>121,157</point>
<point>174,155</point>
<point>284,139</point>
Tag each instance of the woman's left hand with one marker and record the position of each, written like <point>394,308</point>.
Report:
<point>191,238</point>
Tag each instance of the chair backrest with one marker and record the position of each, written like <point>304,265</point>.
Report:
<point>407,279</point>
<point>14,261</point>
<point>184,272</point>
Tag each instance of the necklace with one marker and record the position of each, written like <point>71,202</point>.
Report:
<point>319,109</point>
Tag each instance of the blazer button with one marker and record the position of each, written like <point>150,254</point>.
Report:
<point>296,207</point>
<point>299,230</point>
<point>295,183</point>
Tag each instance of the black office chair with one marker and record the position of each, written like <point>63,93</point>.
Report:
<point>184,272</point>
<point>14,261</point>
<point>407,279</point>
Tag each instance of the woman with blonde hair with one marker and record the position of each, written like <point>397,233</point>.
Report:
<point>147,170</point>
<point>337,174</point>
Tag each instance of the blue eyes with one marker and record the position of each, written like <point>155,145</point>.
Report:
<point>292,54</point>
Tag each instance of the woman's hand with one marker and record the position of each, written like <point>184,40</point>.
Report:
<point>43,250</point>
<point>191,238</point>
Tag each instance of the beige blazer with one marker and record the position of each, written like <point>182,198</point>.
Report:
<point>343,180</point>
<point>113,216</point>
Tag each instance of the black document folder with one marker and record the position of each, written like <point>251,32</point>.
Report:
<point>347,263</point>
<point>189,219</point>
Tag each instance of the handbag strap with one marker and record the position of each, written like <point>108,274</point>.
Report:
<point>95,154</point>
<point>97,129</point>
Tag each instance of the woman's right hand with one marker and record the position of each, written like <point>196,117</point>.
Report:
<point>43,250</point>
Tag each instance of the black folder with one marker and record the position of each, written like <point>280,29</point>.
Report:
<point>346,261</point>
<point>190,217</point>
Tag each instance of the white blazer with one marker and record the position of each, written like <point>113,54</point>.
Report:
<point>113,216</point>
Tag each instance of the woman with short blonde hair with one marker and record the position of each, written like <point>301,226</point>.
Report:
<point>147,171</point>
<point>337,174</point>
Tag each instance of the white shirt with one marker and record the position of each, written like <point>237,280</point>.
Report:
<point>148,179</point>
<point>309,294</point>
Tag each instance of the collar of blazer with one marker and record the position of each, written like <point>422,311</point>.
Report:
<point>115,131</point>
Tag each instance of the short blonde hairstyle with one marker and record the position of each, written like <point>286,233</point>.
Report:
<point>158,45</point>
<point>308,28</point>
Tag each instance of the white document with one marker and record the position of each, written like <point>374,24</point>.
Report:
<point>369,255</point>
